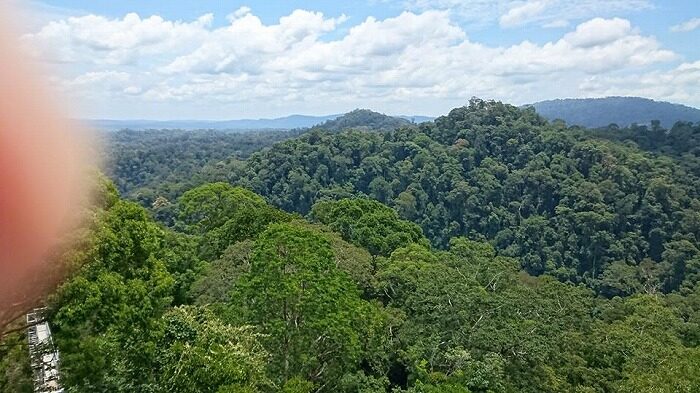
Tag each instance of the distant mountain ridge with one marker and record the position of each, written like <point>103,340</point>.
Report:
<point>287,122</point>
<point>280,123</point>
<point>623,111</point>
<point>586,112</point>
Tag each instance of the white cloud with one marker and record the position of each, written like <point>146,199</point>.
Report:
<point>511,13</point>
<point>96,83</point>
<point>413,62</point>
<point>599,31</point>
<point>523,12</point>
<point>94,38</point>
<point>239,13</point>
<point>676,85</point>
<point>689,25</point>
<point>246,43</point>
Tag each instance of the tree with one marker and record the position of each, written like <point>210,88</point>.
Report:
<point>303,305</point>
<point>209,206</point>
<point>197,352</point>
<point>105,316</point>
<point>369,224</point>
<point>223,214</point>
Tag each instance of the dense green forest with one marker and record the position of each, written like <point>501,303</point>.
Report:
<point>623,111</point>
<point>165,163</point>
<point>680,142</point>
<point>487,251</point>
<point>354,300</point>
<point>561,201</point>
<point>152,163</point>
<point>363,119</point>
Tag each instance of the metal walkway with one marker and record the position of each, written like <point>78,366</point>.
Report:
<point>42,353</point>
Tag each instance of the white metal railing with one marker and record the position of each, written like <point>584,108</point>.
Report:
<point>42,353</point>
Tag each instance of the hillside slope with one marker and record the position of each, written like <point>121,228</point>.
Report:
<point>623,111</point>
<point>562,201</point>
<point>363,119</point>
<point>151,163</point>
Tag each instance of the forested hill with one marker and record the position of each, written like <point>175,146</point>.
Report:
<point>363,119</point>
<point>585,206</point>
<point>560,200</point>
<point>623,111</point>
<point>151,163</point>
<point>147,164</point>
<point>488,251</point>
<point>681,142</point>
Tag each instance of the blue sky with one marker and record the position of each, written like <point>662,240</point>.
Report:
<point>221,59</point>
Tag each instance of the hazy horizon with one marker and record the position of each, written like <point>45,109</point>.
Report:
<point>326,115</point>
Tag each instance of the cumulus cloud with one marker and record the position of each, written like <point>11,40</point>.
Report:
<point>521,13</point>
<point>97,39</point>
<point>413,62</point>
<point>247,43</point>
<point>686,26</point>
<point>599,31</point>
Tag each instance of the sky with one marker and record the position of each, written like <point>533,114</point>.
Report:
<point>221,59</point>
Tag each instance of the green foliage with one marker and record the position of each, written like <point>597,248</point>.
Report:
<point>198,353</point>
<point>355,261</point>
<point>302,303</point>
<point>222,215</point>
<point>105,315</point>
<point>562,201</point>
<point>488,251</point>
<point>298,385</point>
<point>294,307</point>
<point>216,281</point>
<point>363,119</point>
<point>210,206</point>
<point>149,164</point>
<point>645,347</point>
<point>179,253</point>
<point>15,372</point>
<point>109,321</point>
<point>367,223</point>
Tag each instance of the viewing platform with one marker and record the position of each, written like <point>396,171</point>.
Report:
<point>42,353</point>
